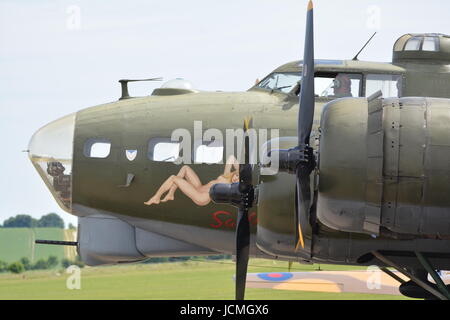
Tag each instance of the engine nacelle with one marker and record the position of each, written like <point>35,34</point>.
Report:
<point>384,165</point>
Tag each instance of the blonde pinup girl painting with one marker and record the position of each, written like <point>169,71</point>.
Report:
<point>189,183</point>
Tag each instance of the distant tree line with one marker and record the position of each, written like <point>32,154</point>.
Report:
<point>51,262</point>
<point>51,220</point>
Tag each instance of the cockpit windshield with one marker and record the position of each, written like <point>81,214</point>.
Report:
<point>283,82</point>
<point>332,85</point>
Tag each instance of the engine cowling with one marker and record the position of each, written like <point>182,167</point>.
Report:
<point>384,166</point>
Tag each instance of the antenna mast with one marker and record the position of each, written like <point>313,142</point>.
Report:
<point>356,57</point>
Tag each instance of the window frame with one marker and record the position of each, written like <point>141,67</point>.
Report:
<point>334,74</point>
<point>400,75</point>
<point>415,38</point>
<point>87,147</point>
<point>437,44</point>
<point>152,144</point>
<point>197,144</point>
<point>278,90</point>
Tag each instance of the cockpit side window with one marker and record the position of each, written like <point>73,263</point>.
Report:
<point>389,84</point>
<point>327,85</point>
<point>337,85</point>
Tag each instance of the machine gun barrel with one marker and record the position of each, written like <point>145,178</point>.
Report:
<point>55,242</point>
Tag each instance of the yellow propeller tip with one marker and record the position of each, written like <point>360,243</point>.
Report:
<point>247,123</point>
<point>300,239</point>
<point>310,5</point>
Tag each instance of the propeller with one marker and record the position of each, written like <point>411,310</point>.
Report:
<point>300,160</point>
<point>305,122</point>
<point>240,195</point>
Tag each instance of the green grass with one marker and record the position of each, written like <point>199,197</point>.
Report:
<point>193,280</point>
<point>16,243</point>
<point>44,251</point>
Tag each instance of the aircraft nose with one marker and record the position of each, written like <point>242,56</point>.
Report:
<point>50,151</point>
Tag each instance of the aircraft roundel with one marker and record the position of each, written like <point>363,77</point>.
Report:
<point>275,276</point>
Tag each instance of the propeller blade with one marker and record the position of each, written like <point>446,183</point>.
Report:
<point>303,204</point>
<point>305,122</point>
<point>243,225</point>
<point>306,99</point>
<point>245,169</point>
<point>242,251</point>
<point>240,195</point>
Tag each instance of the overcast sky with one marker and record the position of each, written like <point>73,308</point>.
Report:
<point>57,57</point>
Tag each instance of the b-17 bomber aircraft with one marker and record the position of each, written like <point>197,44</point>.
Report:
<point>322,161</point>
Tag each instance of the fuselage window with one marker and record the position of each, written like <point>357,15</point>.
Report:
<point>163,150</point>
<point>389,84</point>
<point>339,85</point>
<point>209,153</point>
<point>167,152</point>
<point>97,148</point>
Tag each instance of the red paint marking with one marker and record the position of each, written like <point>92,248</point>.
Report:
<point>217,217</point>
<point>230,223</point>
<point>253,219</point>
<point>275,275</point>
<point>225,219</point>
